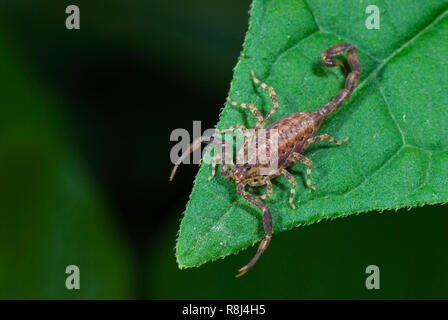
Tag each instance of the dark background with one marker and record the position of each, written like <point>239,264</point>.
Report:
<point>85,143</point>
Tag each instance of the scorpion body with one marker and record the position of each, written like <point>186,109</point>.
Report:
<point>294,134</point>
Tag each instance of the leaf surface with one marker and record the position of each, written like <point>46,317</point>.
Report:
<point>397,119</point>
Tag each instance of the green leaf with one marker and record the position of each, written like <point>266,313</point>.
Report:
<point>397,119</point>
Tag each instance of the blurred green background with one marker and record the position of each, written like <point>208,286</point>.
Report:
<point>85,122</point>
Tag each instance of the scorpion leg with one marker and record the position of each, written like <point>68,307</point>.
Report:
<point>261,122</point>
<point>215,159</point>
<point>257,183</point>
<point>291,179</point>
<point>268,189</point>
<point>309,163</point>
<point>228,161</point>
<point>272,95</point>
<point>267,224</point>
<point>246,133</point>
<point>323,137</point>
<point>218,157</point>
<point>252,108</point>
<point>238,126</point>
<point>264,181</point>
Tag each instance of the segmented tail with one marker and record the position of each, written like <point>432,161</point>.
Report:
<point>352,78</point>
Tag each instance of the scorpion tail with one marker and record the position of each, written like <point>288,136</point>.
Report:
<point>352,78</point>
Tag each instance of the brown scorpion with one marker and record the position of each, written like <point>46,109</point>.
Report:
<point>294,132</point>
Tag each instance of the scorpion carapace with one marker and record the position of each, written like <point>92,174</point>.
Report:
<point>294,134</point>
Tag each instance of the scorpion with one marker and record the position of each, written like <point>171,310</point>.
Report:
<point>295,132</point>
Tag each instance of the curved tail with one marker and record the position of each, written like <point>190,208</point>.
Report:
<point>352,78</point>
